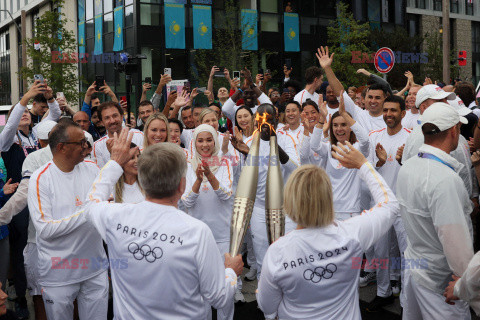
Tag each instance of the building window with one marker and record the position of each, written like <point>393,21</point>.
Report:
<point>469,7</point>
<point>150,14</point>
<point>5,87</point>
<point>437,5</point>
<point>454,6</point>
<point>89,9</point>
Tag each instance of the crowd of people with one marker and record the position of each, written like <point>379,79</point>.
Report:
<point>380,186</point>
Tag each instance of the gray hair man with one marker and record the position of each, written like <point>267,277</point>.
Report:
<point>164,263</point>
<point>435,209</point>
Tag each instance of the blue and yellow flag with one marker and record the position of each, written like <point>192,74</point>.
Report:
<point>202,27</point>
<point>174,26</point>
<point>81,10</point>
<point>98,35</point>
<point>118,23</point>
<point>98,7</point>
<point>249,29</point>
<point>81,37</point>
<point>290,32</point>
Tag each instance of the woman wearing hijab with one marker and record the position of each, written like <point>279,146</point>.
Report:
<point>209,189</point>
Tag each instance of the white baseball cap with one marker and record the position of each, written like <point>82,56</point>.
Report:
<point>442,115</point>
<point>44,128</point>
<point>459,106</point>
<point>432,91</point>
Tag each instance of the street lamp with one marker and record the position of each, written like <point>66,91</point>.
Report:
<point>18,28</point>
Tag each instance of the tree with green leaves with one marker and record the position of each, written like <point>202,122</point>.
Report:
<point>434,68</point>
<point>52,53</point>
<point>346,35</point>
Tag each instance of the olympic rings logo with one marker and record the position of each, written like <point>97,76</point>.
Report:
<point>145,252</point>
<point>318,273</point>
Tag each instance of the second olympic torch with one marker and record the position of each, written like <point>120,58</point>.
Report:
<point>245,197</point>
<point>275,216</point>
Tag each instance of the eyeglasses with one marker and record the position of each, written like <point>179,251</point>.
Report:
<point>275,95</point>
<point>82,143</point>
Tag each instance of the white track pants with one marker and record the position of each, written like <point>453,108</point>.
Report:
<point>422,304</point>
<point>258,226</point>
<point>380,250</point>
<point>91,295</point>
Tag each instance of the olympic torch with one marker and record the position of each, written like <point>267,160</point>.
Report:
<point>275,216</point>
<point>245,197</point>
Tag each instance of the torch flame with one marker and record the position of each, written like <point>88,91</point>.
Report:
<point>262,119</point>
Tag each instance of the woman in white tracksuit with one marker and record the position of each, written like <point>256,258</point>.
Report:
<point>313,272</point>
<point>208,191</point>
<point>346,184</point>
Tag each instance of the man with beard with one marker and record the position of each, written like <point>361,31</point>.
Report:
<point>110,113</point>
<point>249,92</point>
<point>385,153</point>
<point>412,115</point>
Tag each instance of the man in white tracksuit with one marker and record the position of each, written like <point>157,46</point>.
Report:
<point>65,243</point>
<point>435,209</point>
<point>289,159</point>
<point>164,263</point>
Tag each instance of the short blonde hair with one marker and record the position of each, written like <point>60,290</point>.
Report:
<point>155,116</point>
<point>307,197</point>
<point>204,113</point>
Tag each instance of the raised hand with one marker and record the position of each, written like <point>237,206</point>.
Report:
<point>364,72</point>
<point>226,73</point>
<point>164,79</point>
<point>121,152</point>
<point>287,71</point>
<point>348,156</point>
<point>194,93</point>
<point>409,76</point>
<point>146,87</point>
<point>258,79</point>
<point>226,140</point>
<point>427,81</point>
<point>213,70</point>
<point>324,58</point>
<point>10,187</point>
<point>322,107</point>
<point>326,127</point>
<point>182,98</point>
<point>48,93</point>
<point>307,128</point>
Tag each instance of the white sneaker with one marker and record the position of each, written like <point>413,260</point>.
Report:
<point>369,278</point>
<point>395,287</point>
<point>239,296</point>
<point>251,274</point>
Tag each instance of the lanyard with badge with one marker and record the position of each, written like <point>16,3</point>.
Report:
<point>435,158</point>
<point>23,147</point>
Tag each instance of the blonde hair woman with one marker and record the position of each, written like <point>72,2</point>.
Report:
<point>127,189</point>
<point>305,272</point>
<point>156,130</point>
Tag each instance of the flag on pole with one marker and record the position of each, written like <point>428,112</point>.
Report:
<point>118,23</point>
<point>98,35</point>
<point>202,27</point>
<point>249,29</point>
<point>291,32</point>
<point>81,37</point>
<point>174,26</point>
